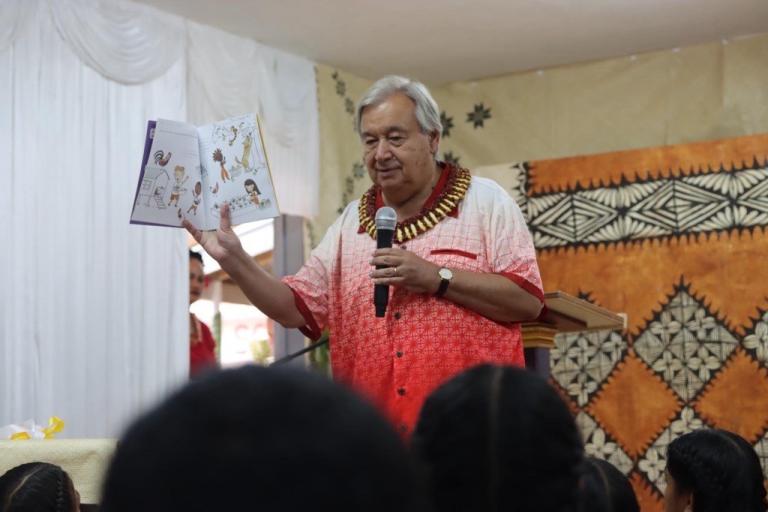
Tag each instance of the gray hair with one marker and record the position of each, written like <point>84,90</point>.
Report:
<point>427,112</point>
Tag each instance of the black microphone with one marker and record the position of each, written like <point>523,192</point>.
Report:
<point>386,220</point>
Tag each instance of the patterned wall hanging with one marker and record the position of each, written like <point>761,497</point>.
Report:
<point>675,238</point>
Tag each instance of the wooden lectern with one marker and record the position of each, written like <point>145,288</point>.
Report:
<point>564,314</point>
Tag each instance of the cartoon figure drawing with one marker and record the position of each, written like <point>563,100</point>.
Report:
<point>218,156</point>
<point>215,188</point>
<point>197,196</point>
<point>234,135</point>
<point>158,196</point>
<point>179,176</point>
<point>161,158</point>
<point>244,161</point>
<point>253,191</point>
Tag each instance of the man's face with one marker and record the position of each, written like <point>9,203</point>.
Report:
<point>196,280</point>
<point>397,154</point>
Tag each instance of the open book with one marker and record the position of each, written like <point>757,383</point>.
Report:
<point>188,172</point>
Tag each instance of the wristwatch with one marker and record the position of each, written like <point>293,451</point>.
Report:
<point>445,278</point>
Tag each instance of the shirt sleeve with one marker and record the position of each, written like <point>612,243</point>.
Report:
<point>310,285</point>
<point>511,246</point>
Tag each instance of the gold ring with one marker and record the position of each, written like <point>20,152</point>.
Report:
<point>394,271</point>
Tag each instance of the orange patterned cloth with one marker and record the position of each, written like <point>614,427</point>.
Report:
<point>398,360</point>
<point>674,237</point>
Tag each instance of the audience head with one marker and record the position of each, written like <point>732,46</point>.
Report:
<point>603,488</point>
<point>38,487</point>
<point>270,439</point>
<point>499,438</point>
<point>712,470</point>
<point>196,276</point>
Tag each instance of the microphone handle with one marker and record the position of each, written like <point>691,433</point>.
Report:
<point>381,291</point>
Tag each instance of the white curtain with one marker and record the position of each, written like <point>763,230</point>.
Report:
<point>230,75</point>
<point>93,311</point>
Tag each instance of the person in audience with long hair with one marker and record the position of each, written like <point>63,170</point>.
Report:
<point>266,439</point>
<point>499,438</point>
<point>38,487</point>
<point>603,488</point>
<point>712,470</point>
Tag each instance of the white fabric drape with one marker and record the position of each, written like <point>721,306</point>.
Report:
<point>93,311</point>
<point>128,43</point>
<point>230,75</point>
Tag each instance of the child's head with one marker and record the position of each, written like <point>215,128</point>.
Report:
<point>712,470</point>
<point>38,486</point>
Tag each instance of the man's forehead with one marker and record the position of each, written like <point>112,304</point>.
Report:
<point>384,129</point>
<point>395,112</point>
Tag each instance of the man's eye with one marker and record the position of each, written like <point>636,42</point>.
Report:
<point>396,140</point>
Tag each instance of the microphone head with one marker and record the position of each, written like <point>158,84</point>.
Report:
<point>386,218</point>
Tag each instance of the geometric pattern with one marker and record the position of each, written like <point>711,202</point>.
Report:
<point>652,406</point>
<point>685,369</point>
<point>692,359</point>
<point>685,343</point>
<point>598,443</point>
<point>653,463</point>
<point>736,398</point>
<point>581,362</point>
<point>651,208</point>
<point>756,342</point>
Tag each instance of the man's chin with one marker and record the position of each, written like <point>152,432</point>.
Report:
<point>388,178</point>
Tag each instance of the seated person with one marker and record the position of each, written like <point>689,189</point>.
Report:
<point>39,487</point>
<point>202,346</point>
<point>712,470</point>
<point>499,438</point>
<point>267,439</point>
<point>603,488</point>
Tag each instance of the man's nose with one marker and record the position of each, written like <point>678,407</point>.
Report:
<point>383,150</point>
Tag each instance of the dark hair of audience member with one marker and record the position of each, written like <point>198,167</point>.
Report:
<point>603,488</point>
<point>268,439</point>
<point>37,487</point>
<point>717,470</point>
<point>499,438</point>
<point>196,255</point>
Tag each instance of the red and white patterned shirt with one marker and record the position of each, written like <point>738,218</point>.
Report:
<point>422,341</point>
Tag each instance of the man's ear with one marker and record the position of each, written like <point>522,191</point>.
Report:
<point>434,141</point>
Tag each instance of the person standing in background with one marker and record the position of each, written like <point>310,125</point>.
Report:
<point>202,346</point>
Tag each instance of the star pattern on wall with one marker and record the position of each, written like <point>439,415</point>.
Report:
<point>447,123</point>
<point>450,158</point>
<point>479,115</point>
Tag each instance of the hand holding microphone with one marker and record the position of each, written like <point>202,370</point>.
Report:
<point>386,220</point>
<point>398,267</point>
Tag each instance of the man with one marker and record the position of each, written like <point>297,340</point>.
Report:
<point>463,271</point>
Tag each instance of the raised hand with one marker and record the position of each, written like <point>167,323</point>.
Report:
<point>223,244</point>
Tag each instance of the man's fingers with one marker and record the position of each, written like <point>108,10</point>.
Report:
<point>387,261</point>
<point>389,251</point>
<point>226,220</point>
<point>192,230</point>
<point>389,280</point>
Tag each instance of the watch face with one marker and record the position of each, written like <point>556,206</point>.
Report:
<point>445,273</point>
